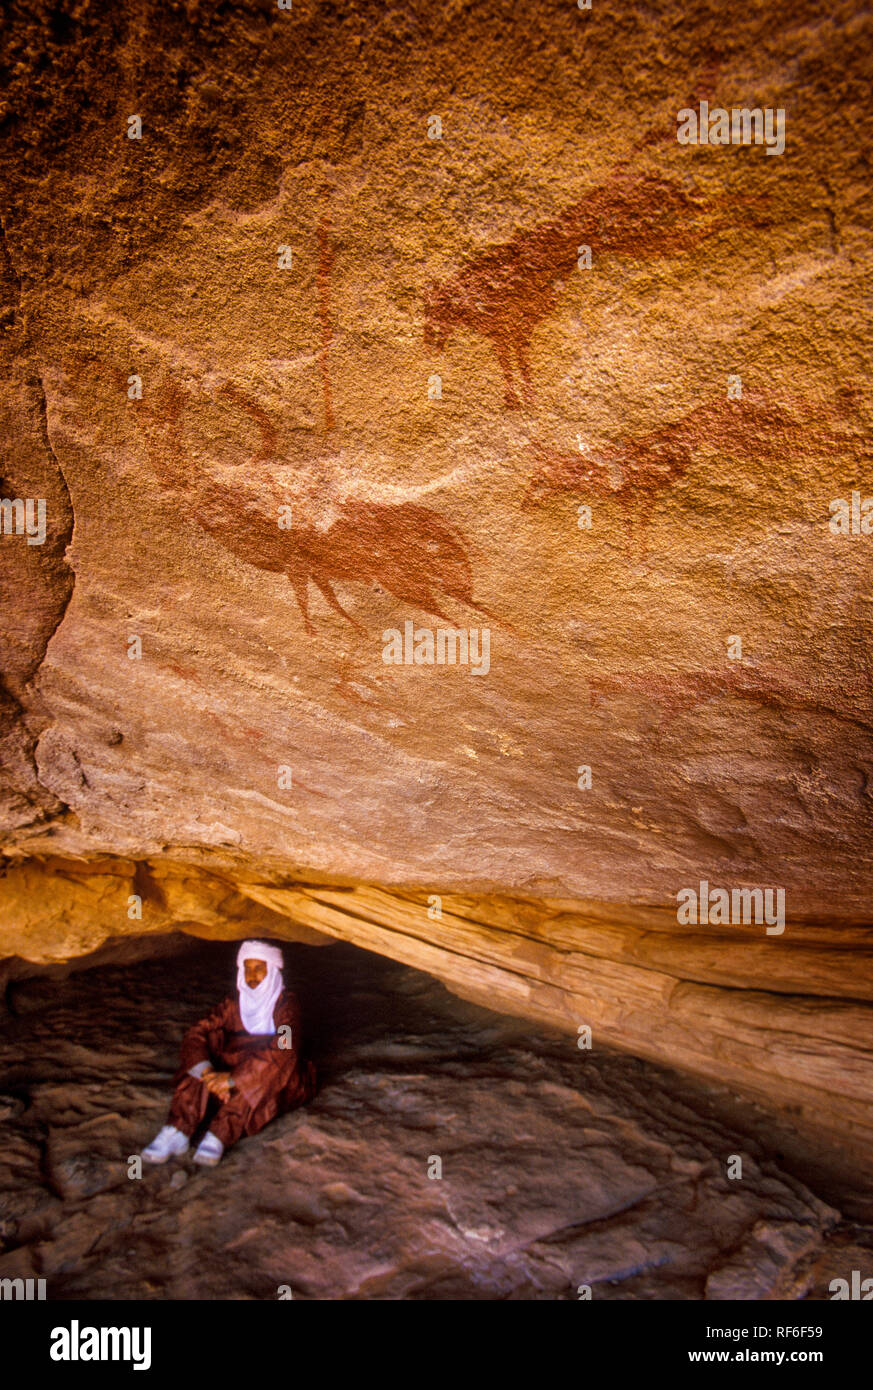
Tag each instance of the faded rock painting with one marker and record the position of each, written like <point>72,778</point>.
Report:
<point>506,292</point>
<point>408,550</point>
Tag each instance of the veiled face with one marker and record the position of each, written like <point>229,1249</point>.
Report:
<point>256,970</point>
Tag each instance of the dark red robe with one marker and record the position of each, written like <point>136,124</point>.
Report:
<point>269,1074</point>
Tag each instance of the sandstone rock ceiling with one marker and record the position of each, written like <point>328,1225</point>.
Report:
<point>451,502</point>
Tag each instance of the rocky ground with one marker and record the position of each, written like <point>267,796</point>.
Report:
<point>560,1166</point>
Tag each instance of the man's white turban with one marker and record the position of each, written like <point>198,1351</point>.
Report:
<point>256,1004</point>
<point>259,950</point>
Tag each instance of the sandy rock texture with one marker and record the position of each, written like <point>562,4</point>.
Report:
<point>320,358</point>
<point>559,1168</point>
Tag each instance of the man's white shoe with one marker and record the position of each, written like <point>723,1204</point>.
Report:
<point>209,1150</point>
<point>169,1143</point>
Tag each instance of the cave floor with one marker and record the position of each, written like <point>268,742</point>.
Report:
<point>560,1167</point>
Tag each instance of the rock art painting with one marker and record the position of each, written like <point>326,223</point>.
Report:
<point>756,429</point>
<point>408,550</point>
<point>453,429</point>
<point>504,293</point>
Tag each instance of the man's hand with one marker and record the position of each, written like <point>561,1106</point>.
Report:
<point>218,1082</point>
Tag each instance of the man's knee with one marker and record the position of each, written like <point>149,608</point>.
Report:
<point>232,1121</point>
<point>188,1104</point>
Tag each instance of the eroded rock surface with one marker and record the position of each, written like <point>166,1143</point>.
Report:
<point>560,1167</point>
<point>787,1024</point>
<point>427,387</point>
<point>311,387</point>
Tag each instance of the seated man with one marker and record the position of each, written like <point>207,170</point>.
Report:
<point>243,1062</point>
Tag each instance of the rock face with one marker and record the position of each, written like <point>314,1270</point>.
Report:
<point>425,1167</point>
<point>788,1028</point>
<point>402,320</point>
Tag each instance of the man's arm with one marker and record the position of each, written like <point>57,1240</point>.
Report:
<point>195,1044</point>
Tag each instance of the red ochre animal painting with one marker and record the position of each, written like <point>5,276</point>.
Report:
<point>406,549</point>
<point>678,692</point>
<point>505,292</point>
<point>635,470</point>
